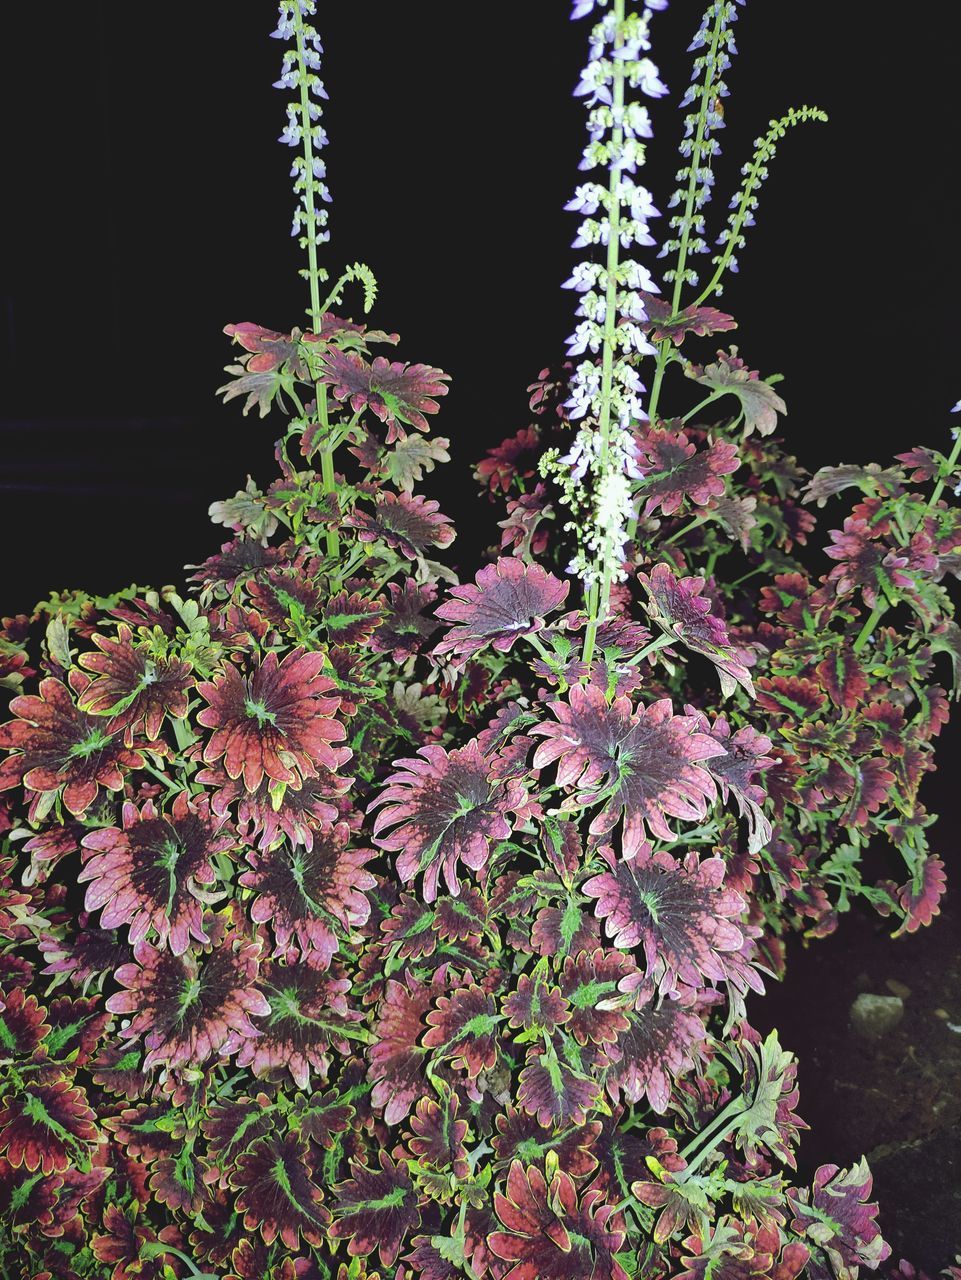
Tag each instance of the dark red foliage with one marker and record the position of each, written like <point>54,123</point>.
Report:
<point>277,1194</point>
<point>311,895</point>
<point>189,1007</point>
<point>673,469</point>
<point>642,762</point>
<point>281,709</point>
<point>662,322</point>
<point>553,1232</point>
<point>510,600</point>
<point>413,526</point>
<point>450,814</point>
<point>679,913</point>
<point>398,394</point>
<point>57,747</point>
<point>376,1209</point>
<point>151,874</point>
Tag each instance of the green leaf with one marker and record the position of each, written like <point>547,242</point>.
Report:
<point>412,457</point>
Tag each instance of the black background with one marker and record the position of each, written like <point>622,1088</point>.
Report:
<point>149,205</point>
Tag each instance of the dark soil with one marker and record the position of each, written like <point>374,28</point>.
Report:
<point>895,1098</point>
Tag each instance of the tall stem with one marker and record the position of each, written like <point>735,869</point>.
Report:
<point>599,610</point>
<point>939,487</point>
<point>664,346</point>
<point>327,479</point>
<point>706,91</point>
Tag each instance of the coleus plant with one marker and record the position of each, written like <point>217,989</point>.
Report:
<point>274,1006</point>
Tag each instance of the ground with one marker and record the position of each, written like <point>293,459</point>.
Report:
<point>896,1097</point>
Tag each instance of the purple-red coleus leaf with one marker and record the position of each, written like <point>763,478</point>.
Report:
<point>678,912</point>
<point>190,1007</point>
<point>282,711</point>
<point>747,754</point>
<point>277,1192</point>
<point>236,561</point>
<point>23,1023</point>
<point>536,1005</point>
<point>522,1135</point>
<point>280,595</point>
<point>836,1215</point>
<point>735,1250</point>
<point>673,469</point>
<point>307,1015</point>
<point>397,1059</point>
<point>155,873</point>
<point>407,523</point>
<point>867,563</point>
<point>75,1029</point>
<point>920,898</point>
<point>411,928</point>
<point>121,1245</point>
<point>553,1090</point>
<point>641,763</point>
<point>845,680</point>
<point>406,627</point>
<point>513,459</point>
<point>231,1127</point>
<point>398,394</point>
<point>48,1125</point>
<point>552,1232</point>
<point>321,1117</point>
<point>251,1259</point>
<point>760,403</point>
<point>439,1134</point>
<point>450,813</point>
<point>622,1154</point>
<point>57,747</point>
<point>663,1041</point>
<point>664,322</point>
<point>463,1027</point>
<point>593,984</point>
<point>177,1181</point>
<point>87,956</point>
<point>682,612</point>
<point>376,1209</point>
<point>132,686</point>
<point>27,1200</point>
<point>507,600</point>
<point>311,896</point>
<point>298,810</point>
<point>462,917</point>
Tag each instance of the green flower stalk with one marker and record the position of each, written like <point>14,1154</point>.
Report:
<point>605,389</point>
<point>300,66</point>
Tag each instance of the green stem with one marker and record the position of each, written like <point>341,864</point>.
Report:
<point>540,647</point>
<point>695,165</point>
<point>328,481</point>
<point>737,581</point>
<point>310,191</point>
<point>664,346</point>
<point>869,626</point>
<point>698,407</point>
<point>599,611</point>
<point>691,524</point>
<point>716,1130</point>
<point>939,487</point>
<point>661,642</point>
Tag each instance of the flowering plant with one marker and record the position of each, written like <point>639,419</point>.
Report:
<point>355,921</point>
